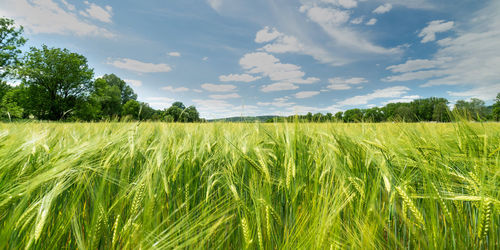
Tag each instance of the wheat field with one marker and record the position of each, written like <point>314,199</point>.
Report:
<point>249,186</point>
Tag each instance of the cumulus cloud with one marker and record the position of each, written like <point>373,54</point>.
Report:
<point>404,99</point>
<point>306,94</point>
<point>138,66</point>
<point>238,78</point>
<point>470,59</point>
<point>103,14</point>
<point>212,108</point>
<point>282,43</point>
<point>159,102</point>
<point>383,8</point>
<point>225,96</point>
<point>484,92</point>
<point>371,22</point>
<point>135,83</point>
<point>49,17</point>
<point>428,34</point>
<point>267,35</point>
<point>357,20</point>
<point>331,21</point>
<point>279,86</point>
<point>339,83</point>
<point>218,87</point>
<point>278,102</point>
<point>390,92</point>
<point>175,90</point>
<point>346,4</point>
<point>269,66</point>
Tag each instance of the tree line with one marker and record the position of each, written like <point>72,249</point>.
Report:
<point>429,109</point>
<point>57,84</point>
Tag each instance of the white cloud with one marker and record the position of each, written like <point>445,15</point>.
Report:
<point>278,102</point>
<point>290,44</point>
<point>159,102</point>
<point>279,86</point>
<point>347,4</point>
<point>218,87</point>
<point>204,58</point>
<point>103,14</point>
<point>48,17</point>
<point>306,94</point>
<point>270,66</point>
<point>174,54</point>
<point>372,21</point>
<point>138,66</point>
<point>383,8</point>
<point>471,59</point>
<point>357,20</point>
<point>215,4</point>
<point>238,78</point>
<point>332,20</point>
<point>418,64</point>
<point>428,34</point>
<point>390,92</point>
<point>404,99</point>
<point>328,16</point>
<point>210,109</point>
<point>175,90</point>
<point>226,96</point>
<point>267,35</point>
<point>68,6</point>
<point>135,83</point>
<point>484,93</point>
<point>338,83</point>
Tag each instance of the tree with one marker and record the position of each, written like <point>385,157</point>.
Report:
<point>441,113</point>
<point>339,116</point>
<point>132,109</point>
<point>353,115</point>
<point>9,104</point>
<point>474,109</point>
<point>496,108</point>
<point>374,115</point>
<point>57,79</point>
<point>191,114</point>
<point>126,92</point>
<point>10,42</point>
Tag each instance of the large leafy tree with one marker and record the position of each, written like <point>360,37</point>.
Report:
<point>126,92</point>
<point>57,80</point>
<point>473,109</point>
<point>11,41</point>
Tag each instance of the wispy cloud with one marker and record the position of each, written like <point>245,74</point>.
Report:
<point>138,66</point>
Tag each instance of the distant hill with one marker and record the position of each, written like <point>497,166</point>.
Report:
<point>263,118</point>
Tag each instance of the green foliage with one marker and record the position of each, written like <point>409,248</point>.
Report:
<point>57,80</point>
<point>11,41</point>
<point>132,109</point>
<point>126,92</point>
<point>9,106</point>
<point>475,109</point>
<point>179,113</point>
<point>256,186</point>
<point>496,108</point>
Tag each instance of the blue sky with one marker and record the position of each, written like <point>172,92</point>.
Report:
<point>282,57</point>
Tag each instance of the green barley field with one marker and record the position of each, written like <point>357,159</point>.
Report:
<point>250,186</point>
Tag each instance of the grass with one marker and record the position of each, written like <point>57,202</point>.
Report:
<point>256,186</point>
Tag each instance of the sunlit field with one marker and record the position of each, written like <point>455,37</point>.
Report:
<point>255,186</point>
